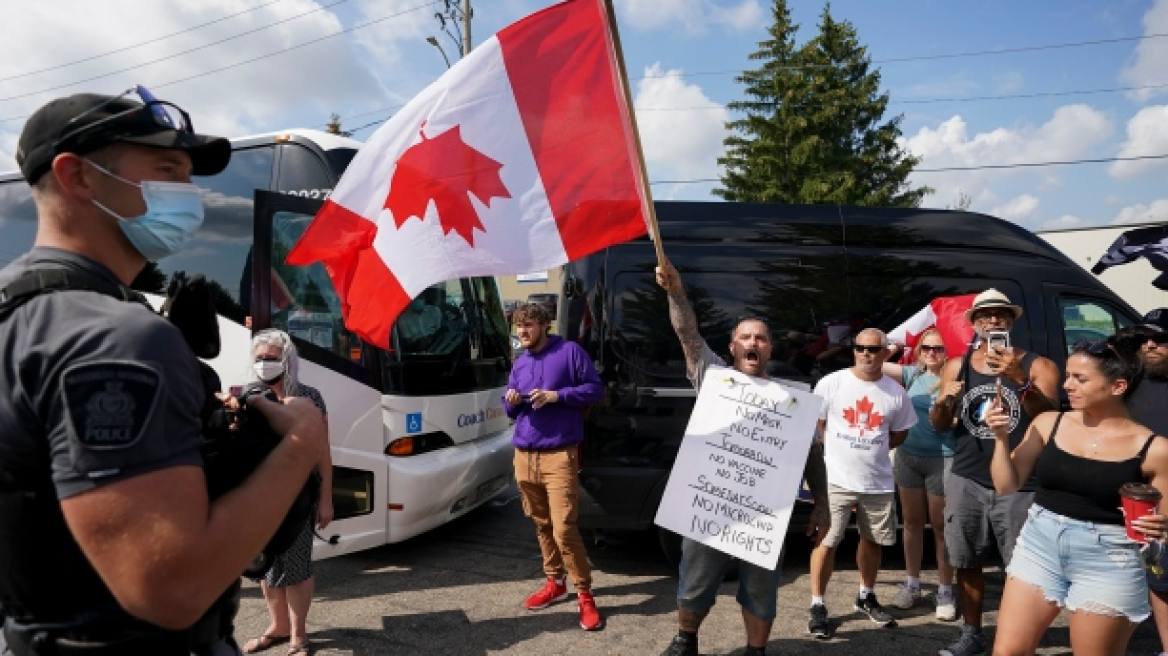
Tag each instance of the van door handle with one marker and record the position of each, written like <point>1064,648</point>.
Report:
<point>668,392</point>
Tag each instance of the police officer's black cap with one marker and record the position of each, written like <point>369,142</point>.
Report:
<point>60,127</point>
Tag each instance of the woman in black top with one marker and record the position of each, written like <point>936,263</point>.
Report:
<point>1073,551</point>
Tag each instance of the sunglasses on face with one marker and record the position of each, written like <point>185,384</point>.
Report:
<point>1159,339</point>
<point>931,349</point>
<point>860,348</point>
<point>993,314</point>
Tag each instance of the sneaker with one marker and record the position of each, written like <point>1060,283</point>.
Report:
<point>589,614</point>
<point>817,624</point>
<point>970,643</point>
<point>551,592</point>
<point>682,646</point>
<point>946,606</point>
<point>906,597</point>
<point>875,612</point>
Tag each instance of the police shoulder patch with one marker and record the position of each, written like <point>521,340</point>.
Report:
<point>110,403</point>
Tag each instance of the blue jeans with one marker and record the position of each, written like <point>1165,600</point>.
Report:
<point>1081,565</point>
<point>704,568</point>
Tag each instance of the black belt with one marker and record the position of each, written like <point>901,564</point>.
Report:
<point>56,640</point>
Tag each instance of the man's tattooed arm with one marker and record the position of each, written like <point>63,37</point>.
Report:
<point>681,315</point>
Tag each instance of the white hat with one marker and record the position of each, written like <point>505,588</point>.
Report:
<point>991,298</point>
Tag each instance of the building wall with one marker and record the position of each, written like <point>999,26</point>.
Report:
<point>512,289</point>
<point>1131,281</point>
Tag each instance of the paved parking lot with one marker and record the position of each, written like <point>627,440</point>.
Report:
<point>459,590</point>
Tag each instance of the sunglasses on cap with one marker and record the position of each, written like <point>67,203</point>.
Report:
<point>861,348</point>
<point>924,348</point>
<point>1100,349</point>
<point>152,112</point>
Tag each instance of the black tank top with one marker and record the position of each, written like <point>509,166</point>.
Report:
<point>1081,488</point>
<point>975,441</point>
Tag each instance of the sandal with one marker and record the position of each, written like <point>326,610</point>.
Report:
<point>299,650</point>
<point>264,643</point>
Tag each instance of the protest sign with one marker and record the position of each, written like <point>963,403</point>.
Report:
<point>740,465</point>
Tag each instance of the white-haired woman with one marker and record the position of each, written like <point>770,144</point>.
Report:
<point>288,585</point>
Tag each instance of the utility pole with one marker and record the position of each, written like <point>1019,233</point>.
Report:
<point>466,13</point>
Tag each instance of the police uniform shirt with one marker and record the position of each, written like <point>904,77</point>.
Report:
<point>96,388</point>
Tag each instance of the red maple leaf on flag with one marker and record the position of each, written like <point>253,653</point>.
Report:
<point>446,170</point>
<point>863,416</point>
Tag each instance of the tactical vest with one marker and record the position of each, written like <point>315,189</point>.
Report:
<point>55,602</point>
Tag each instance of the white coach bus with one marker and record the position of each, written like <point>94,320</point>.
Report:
<point>418,432</point>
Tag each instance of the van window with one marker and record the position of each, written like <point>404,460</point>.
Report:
<point>1088,320</point>
<point>221,249</point>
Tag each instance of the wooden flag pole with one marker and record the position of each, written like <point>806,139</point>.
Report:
<point>647,196</point>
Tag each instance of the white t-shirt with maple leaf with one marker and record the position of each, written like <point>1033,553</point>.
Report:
<point>860,414</point>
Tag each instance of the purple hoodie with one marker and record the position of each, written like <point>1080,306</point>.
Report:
<point>564,368</point>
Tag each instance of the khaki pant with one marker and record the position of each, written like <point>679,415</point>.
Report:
<point>550,491</point>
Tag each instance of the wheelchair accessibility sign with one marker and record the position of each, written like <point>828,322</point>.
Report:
<point>413,423</point>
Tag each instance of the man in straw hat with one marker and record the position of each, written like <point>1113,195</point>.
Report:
<point>1026,385</point>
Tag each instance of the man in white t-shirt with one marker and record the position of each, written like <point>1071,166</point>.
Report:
<point>865,414</point>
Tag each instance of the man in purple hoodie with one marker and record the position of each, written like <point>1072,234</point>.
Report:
<point>550,385</point>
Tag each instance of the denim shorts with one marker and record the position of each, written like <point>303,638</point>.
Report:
<point>1081,565</point>
<point>928,472</point>
<point>704,568</point>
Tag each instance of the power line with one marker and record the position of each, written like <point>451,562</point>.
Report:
<point>177,54</point>
<point>138,45</point>
<point>954,55</point>
<point>1098,160</point>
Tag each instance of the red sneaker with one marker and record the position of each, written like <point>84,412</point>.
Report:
<point>551,592</point>
<point>589,614</point>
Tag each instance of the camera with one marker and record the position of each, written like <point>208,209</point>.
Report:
<point>999,340</point>
<point>234,445</point>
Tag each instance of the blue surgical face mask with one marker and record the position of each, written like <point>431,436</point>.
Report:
<point>174,211</point>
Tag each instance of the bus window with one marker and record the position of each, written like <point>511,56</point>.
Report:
<point>17,218</point>
<point>221,249</point>
<point>302,173</point>
<point>303,301</point>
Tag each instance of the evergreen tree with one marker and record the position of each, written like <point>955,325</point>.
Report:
<point>814,132</point>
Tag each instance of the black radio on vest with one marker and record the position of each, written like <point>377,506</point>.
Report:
<point>55,601</point>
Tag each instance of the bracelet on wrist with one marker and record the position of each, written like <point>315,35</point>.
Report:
<point>1026,388</point>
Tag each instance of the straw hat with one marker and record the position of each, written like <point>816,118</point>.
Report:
<point>991,298</point>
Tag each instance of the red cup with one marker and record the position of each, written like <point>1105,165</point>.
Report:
<point>1139,499</point>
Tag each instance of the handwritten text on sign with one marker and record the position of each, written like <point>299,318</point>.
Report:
<point>740,465</point>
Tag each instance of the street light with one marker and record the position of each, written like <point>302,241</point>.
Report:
<point>434,42</point>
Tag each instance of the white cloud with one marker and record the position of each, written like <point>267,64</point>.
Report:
<point>1147,134</point>
<point>1146,65</point>
<point>1071,133</point>
<point>682,143</point>
<point>1155,211</point>
<point>692,15</point>
<point>263,95</point>
<point>1064,222</point>
<point>1018,209</point>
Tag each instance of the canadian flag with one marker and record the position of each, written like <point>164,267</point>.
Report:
<point>520,158</point>
<point>947,313</point>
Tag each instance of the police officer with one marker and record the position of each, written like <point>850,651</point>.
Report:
<point>109,543</point>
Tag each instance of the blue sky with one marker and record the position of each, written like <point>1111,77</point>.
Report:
<point>682,57</point>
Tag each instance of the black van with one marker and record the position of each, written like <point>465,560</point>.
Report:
<point>817,274</point>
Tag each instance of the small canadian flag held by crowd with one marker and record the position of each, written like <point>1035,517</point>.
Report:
<point>520,158</point>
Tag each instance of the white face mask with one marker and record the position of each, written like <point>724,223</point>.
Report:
<point>269,371</point>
